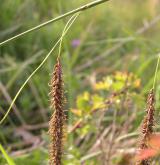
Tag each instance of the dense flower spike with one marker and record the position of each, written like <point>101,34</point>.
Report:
<point>147,126</point>
<point>57,122</point>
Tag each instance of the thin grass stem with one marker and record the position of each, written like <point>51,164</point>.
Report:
<point>156,71</point>
<point>66,28</point>
<point>82,8</point>
<point>6,156</point>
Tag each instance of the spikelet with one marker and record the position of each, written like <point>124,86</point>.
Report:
<point>147,126</point>
<point>57,121</point>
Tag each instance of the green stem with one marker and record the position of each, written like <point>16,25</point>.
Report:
<point>155,76</point>
<point>6,156</point>
<point>82,8</point>
<point>67,27</point>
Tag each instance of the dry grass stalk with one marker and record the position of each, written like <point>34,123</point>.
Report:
<point>147,126</point>
<point>57,121</point>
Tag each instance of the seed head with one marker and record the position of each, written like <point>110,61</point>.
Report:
<point>57,121</point>
<point>147,126</point>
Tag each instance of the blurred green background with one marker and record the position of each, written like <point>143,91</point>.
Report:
<point>105,44</point>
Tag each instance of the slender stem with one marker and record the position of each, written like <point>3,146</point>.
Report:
<point>155,76</point>
<point>63,33</point>
<point>6,156</point>
<point>67,27</point>
<point>82,8</point>
<point>60,47</point>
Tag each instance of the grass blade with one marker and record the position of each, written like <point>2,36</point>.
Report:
<point>6,156</point>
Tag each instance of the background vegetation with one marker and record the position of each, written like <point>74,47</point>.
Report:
<point>109,57</point>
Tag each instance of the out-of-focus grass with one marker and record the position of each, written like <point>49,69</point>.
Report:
<point>110,21</point>
<point>8,159</point>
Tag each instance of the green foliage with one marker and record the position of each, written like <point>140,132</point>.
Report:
<point>92,92</point>
<point>6,156</point>
<point>35,157</point>
<point>107,94</point>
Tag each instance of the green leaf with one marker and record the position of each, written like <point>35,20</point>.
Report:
<point>83,102</point>
<point>6,156</point>
<point>118,85</point>
<point>98,101</point>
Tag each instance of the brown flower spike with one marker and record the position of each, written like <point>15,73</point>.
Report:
<point>57,121</point>
<point>147,126</point>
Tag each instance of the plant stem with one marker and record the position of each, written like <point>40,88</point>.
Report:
<point>156,71</point>
<point>82,8</point>
<point>66,28</point>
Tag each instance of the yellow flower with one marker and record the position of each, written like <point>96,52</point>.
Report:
<point>104,85</point>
